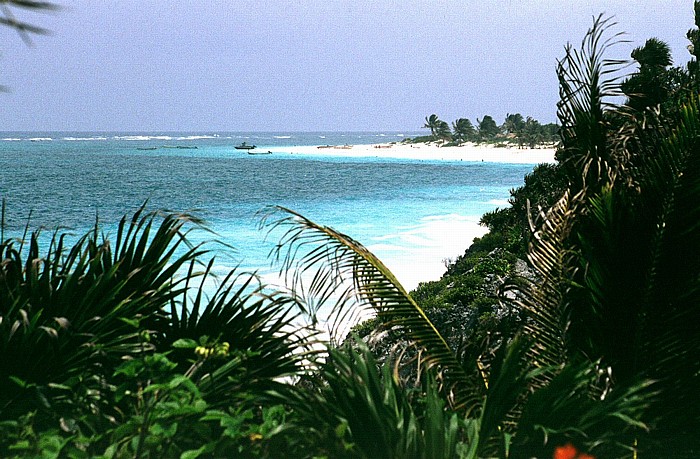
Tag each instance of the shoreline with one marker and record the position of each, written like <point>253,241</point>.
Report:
<point>419,254</point>
<point>468,152</point>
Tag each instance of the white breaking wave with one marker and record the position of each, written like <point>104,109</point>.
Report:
<point>143,137</point>
<point>197,137</point>
<point>417,254</point>
<point>84,138</point>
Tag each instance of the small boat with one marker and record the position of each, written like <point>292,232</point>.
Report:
<point>244,146</point>
<point>268,152</point>
<point>181,147</point>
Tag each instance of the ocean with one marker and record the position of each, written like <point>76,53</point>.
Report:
<point>414,215</point>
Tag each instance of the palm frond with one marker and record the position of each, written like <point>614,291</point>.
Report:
<point>363,411</point>
<point>350,277</point>
<point>81,308</point>
<point>588,82</point>
<point>667,342</point>
<point>256,324</point>
<point>564,411</point>
<point>634,243</point>
<point>546,301</point>
<point>24,28</point>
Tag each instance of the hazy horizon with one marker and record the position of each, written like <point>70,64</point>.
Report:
<point>303,66</point>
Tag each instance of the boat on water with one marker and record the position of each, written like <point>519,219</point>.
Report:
<point>268,152</point>
<point>244,146</point>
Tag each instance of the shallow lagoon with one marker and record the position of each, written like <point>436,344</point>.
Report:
<point>412,214</point>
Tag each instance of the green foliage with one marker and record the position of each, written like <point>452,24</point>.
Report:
<point>432,122</point>
<point>464,130</point>
<point>511,225</point>
<point>350,279</point>
<point>422,139</point>
<point>439,129</point>
<point>365,327</point>
<point>115,351</point>
<point>364,412</point>
<point>515,129</point>
<point>650,86</point>
<point>609,288</point>
<point>513,124</point>
<point>443,131</point>
<point>81,309</point>
<point>93,364</point>
<point>487,128</point>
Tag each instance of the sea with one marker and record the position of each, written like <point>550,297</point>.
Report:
<point>414,215</point>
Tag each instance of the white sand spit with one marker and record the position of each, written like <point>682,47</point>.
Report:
<point>429,152</point>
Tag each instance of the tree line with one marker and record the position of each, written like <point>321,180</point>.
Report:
<point>523,131</point>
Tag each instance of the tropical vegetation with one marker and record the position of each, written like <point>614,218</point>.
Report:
<point>121,348</point>
<point>514,130</point>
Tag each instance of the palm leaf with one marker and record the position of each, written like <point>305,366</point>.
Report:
<point>255,323</point>
<point>80,309</point>
<point>564,411</point>
<point>23,28</point>
<point>345,273</point>
<point>546,301</point>
<point>667,344</point>
<point>363,411</point>
<point>588,82</point>
<point>627,288</point>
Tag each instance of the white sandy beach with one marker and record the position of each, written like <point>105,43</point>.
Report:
<point>428,152</point>
<point>419,254</point>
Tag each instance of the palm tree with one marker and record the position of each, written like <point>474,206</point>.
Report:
<point>443,131</point>
<point>615,285</point>
<point>71,318</point>
<point>463,130</point>
<point>608,355</point>
<point>9,19</point>
<point>487,127</point>
<point>651,84</point>
<point>432,122</point>
<point>532,133</point>
<point>493,390</point>
<point>80,309</point>
<point>693,36</point>
<point>513,123</point>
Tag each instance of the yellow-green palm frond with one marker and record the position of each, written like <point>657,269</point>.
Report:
<point>545,301</point>
<point>330,268</point>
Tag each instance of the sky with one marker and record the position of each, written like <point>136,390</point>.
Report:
<point>304,65</point>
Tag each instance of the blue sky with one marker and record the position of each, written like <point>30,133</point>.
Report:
<point>303,65</point>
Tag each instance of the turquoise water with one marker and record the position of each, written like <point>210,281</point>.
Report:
<point>396,207</point>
